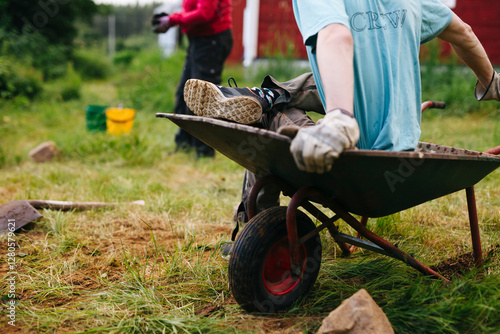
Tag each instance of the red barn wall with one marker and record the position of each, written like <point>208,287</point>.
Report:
<point>236,55</point>
<point>484,18</point>
<point>278,31</point>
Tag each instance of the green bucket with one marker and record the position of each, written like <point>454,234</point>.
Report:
<point>96,118</point>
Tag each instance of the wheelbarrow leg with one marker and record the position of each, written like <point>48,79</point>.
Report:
<point>364,222</point>
<point>474,227</point>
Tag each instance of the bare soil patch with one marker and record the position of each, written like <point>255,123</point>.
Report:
<point>458,266</point>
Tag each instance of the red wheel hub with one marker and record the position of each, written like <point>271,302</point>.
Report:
<point>276,273</point>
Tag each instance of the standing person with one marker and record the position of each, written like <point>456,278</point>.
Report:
<point>364,56</point>
<point>207,24</point>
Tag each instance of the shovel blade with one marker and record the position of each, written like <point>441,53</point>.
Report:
<point>16,214</point>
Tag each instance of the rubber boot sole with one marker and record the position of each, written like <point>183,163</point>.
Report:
<point>205,99</point>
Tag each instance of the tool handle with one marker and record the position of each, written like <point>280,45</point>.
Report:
<point>63,205</point>
<point>494,150</point>
<point>432,104</point>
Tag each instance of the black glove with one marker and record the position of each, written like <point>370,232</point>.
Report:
<point>156,18</point>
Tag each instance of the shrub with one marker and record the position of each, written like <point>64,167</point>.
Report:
<point>124,57</point>
<point>26,48</point>
<point>91,65</point>
<point>16,79</point>
<point>72,84</point>
<point>52,62</point>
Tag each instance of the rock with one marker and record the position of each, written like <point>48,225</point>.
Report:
<point>44,152</point>
<point>357,315</point>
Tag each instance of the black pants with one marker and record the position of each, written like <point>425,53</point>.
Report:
<point>204,60</point>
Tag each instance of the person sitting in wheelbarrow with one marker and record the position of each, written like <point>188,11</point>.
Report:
<point>365,78</point>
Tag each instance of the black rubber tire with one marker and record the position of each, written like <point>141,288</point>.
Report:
<point>262,241</point>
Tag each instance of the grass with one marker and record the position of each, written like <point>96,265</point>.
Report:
<point>157,268</point>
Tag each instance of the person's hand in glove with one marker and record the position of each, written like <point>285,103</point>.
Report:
<point>492,92</point>
<point>315,148</point>
<point>161,23</point>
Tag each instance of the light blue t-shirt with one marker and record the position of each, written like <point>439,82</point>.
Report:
<point>387,35</point>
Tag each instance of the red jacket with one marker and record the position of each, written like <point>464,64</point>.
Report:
<point>203,17</point>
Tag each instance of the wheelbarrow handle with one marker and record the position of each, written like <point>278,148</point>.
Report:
<point>494,150</point>
<point>432,104</point>
<point>442,105</point>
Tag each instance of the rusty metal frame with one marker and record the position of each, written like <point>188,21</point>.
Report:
<point>389,249</point>
<point>305,197</point>
<point>289,191</point>
<point>474,227</point>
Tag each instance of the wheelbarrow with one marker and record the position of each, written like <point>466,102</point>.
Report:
<point>276,258</point>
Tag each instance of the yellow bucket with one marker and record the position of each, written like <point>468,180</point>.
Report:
<point>119,120</point>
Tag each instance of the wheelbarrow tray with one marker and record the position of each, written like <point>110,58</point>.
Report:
<point>364,182</point>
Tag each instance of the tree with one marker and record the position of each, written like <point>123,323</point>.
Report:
<point>40,33</point>
<point>53,19</point>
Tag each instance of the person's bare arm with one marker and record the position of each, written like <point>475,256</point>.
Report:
<point>315,148</point>
<point>469,49</point>
<point>334,52</point>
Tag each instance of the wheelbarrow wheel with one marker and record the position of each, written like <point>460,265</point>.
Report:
<point>259,267</point>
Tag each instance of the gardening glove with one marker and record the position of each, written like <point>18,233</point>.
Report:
<point>155,19</point>
<point>315,148</point>
<point>492,92</point>
<point>161,23</point>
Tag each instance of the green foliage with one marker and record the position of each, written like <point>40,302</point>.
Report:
<point>282,65</point>
<point>16,79</point>
<point>139,42</point>
<point>130,48</point>
<point>72,84</point>
<point>52,62</point>
<point>156,79</point>
<point>91,64</point>
<point>52,19</point>
<point>124,57</point>
<point>5,18</point>
<point>444,79</point>
<point>41,33</point>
